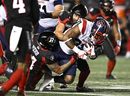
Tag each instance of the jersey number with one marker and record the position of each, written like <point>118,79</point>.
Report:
<point>19,4</point>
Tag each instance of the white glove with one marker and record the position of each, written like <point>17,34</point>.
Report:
<point>89,49</point>
<point>81,53</point>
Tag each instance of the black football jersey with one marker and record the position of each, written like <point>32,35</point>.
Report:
<point>23,9</point>
<point>111,18</point>
<point>43,55</point>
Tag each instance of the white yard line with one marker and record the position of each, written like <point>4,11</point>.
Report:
<point>66,93</point>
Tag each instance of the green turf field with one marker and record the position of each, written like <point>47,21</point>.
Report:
<point>96,80</point>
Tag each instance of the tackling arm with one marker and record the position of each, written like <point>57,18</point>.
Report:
<point>55,67</point>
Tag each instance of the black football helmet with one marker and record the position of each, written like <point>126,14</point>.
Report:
<point>80,10</point>
<point>106,5</point>
<point>48,40</point>
<point>99,30</point>
<point>94,11</point>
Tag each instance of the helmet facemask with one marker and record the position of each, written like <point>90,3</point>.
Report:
<point>48,41</point>
<point>107,6</point>
<point>99,31</point>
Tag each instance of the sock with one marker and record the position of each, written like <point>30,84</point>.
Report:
<point>3,68</point>
<point>1,50</point>
<point>22,82</point>
<point>15,77</point>
<point>82,77</point>
<point>110,67</point>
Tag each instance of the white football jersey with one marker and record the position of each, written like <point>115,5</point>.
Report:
<point>2,13</point>
<point>48,6</point>
<point>85,31</point>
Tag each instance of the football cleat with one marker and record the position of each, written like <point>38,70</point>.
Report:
<point>110,77</point>
<point>62,86</point>
<point>47,85</point>
<point>84,89</point>
<point>21,94</point>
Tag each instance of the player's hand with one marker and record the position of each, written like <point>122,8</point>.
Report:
<point>64,17</point>
<point>82,54</point>
<point>117,49</point>
<point>90,50</point>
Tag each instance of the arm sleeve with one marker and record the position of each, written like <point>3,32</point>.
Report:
<point>34,11</point>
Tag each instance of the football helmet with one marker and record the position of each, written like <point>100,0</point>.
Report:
<point>99,30</point>
<point>107,5</point>
<point>48,40</point>
<point>80,10</point>
<point>94,11</point>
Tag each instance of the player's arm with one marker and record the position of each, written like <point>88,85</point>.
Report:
<point>63,19</point>
<point>117,33</point>
<point>59,31</point>
<point>116,29</point>
<point>77,1</point>
<point>72,33</point>
<point>34,11</point>
<point>55,67</point>
<point>57,10</point>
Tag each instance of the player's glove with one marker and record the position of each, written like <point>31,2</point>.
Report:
<point>90,50</point>
<point>64,17</point>
<point>81,53</point>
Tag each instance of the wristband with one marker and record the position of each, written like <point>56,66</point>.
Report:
<point>118,42</point>
<point>76,49</point>
<point>72,60</point>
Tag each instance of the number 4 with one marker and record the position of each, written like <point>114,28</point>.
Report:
<point>20,5</point>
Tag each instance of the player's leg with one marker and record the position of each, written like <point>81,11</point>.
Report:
<point>109,51</point>
<point>82,65</point>
<point>34,76</point>
<point>21,65</point>
<point>3,66</point>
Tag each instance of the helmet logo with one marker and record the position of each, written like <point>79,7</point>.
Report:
<point>52,57</point>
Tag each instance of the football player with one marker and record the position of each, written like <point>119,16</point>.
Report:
<point>49,57</point>
<point>22,15</point>
<point>86,32</point>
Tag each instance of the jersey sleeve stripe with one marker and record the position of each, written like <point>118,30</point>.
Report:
<point>84,26</point>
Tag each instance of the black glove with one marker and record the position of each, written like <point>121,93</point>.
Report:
<point>64,17</point>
